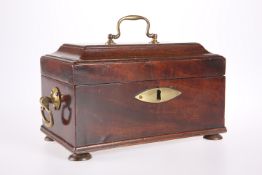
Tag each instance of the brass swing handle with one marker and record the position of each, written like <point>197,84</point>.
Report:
<point>132,17</point>
<point>55,98</point>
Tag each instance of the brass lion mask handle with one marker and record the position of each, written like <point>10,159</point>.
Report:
<point>132,17</point>
<point>55,98</point>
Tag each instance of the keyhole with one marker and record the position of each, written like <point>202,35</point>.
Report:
<point>158,94</point>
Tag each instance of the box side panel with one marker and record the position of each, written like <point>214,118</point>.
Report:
<point>109,113</point>
<point>64,118</point>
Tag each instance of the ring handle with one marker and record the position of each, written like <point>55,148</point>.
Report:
<point>55,98</point>
<point>132,17</point>
<point>48,121</point>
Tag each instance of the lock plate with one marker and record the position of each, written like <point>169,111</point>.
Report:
<point>158,95</point>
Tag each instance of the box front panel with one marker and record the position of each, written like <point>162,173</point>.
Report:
<point>110,112</point>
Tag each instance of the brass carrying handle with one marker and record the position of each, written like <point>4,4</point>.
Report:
<point>55,98</point>
<point>132,17</point>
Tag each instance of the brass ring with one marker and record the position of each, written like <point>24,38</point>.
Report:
<point>55,98</point>
<point>48,122</point>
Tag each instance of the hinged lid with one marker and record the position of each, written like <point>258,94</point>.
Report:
<point>127,63</point>
<point>111,63</point>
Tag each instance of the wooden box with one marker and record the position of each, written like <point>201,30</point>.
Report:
<point>105,96</point>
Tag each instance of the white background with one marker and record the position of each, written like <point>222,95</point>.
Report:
<point>31,28</point>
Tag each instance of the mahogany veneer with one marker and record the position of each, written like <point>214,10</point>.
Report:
<point>100,83</point>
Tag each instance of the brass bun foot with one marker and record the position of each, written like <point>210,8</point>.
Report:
<point>213,137</point>
<point>48,139</point>
<point>79,157</point>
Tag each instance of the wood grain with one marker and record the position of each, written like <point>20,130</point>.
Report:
<point>79,65</point>
<point>107,113</point>
<point>100,83</point>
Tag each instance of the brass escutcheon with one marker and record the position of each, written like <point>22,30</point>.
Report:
<point>158,95</point>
